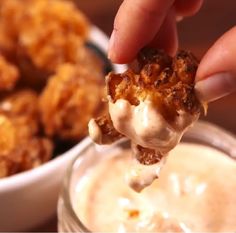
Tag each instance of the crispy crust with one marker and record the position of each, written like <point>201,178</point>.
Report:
<point>21,146</point>
<point>41,37</point>
<point>9,75</point>
<point>167,82</point>
<point>72,96</point>
<point>107,131</point>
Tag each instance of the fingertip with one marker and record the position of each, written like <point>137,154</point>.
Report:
<point>220,57</point>
<point>216,74</point>
<point>167,37</point>
<point>136,25</point>
<point>188,8</point>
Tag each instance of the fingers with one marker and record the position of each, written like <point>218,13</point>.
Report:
<point>187,7</point>
<point>136,24</point>
<point>216,75</point>
<point>167,38</point>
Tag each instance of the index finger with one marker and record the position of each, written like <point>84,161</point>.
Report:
<point>136,24</point>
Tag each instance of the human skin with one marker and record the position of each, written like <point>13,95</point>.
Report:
<point>153,22</point>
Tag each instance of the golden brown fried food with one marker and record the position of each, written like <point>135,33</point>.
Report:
<point>10,19</point>
<point>33,152</point>
<point>20,151</point>
<point>22,108</point>
<point>26,154</point>
<point>72,96</point>
<point>7,166</point>
<point>41,36</point>
<point>8,137</point>
<point>52,33</point>
<point>169,84</point>
<point>166,83</point>
<point>103,130</point>
<point>9,75</point>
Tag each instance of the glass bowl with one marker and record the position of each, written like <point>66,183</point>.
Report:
<point>201,133</point>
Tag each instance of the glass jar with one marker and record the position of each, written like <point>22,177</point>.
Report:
<point>201,133</point>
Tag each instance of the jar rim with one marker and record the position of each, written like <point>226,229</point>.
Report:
<point>229,145</point>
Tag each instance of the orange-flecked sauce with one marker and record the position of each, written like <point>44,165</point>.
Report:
<point>195,192</point>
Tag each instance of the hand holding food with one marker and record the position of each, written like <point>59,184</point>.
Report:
<point>152,107</point>
<point>216,74</point>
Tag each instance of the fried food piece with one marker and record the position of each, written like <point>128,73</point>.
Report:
<point>169,85</point>
<point>22,108</point>
<point>52,33</point>
<point>41,36</point>
<point>33,152</point>
<point>7,135</point>
<point>26,154</point>
<point>103,130</point>
<point>7,167</point>
<point>72,96</point>
<point>152,107</point>
<point>20,151</point>
<point>10,19</point>
<point>146,156</point>
<point>9,75</point>
<point>21,147</point>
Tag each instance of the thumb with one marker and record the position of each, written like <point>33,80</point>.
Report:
<point>216,75</point>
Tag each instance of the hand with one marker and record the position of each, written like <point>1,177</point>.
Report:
<point>142,22</point>
<point>216,74</point>
<point>153,22</point>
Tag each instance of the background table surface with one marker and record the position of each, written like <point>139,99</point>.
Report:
<point>197,34</point>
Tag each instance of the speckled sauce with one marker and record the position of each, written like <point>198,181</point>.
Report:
<point>194,193</point>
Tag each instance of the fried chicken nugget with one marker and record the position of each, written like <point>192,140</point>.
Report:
<point>164,89</point>
<point>33,152</point>
<point>22,108</point>
<point>20,151</point>
<point>7,135</point>
<point>9,75</point>
<point>40,35</point>
<point>52,33</point>
<point>72,96</point>
<point>10,20</point>
<point>21,147</point>
<point>7,167</point>
<point>26,154</point>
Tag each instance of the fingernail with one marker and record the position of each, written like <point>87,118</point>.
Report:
<point>215,86</point>
<point>111,45</point>
<point>179,18</point>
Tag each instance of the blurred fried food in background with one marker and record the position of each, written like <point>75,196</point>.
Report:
<point>43,55</point>
<point>72,89</point>
<point>39,35</point>
<point>9,75</point>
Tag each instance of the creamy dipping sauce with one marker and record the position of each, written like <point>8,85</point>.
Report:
<point>145,126</point>
<point>194,193</point>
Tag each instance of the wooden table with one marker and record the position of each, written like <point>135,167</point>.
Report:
<point>196,34</point>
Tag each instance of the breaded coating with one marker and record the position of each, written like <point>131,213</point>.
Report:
<point>7,166</point>
<point>22,108</point>
<point>52,33</point>
<point>21,147</point>
<point>33,152</point>
<point>26,154</point>
<point>9,75</point>
<point>146,156</point>
<point>20,151</point>
<point>8,137</point>
<point>103,130</point>
<point>170,85</point>
<point>72,96</point>
<point>167,82</point>
<point>40,35</point>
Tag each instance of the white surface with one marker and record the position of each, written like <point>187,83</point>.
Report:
<point>30,198</point>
